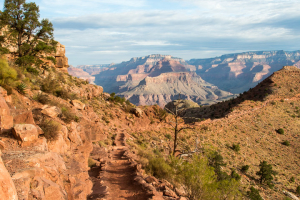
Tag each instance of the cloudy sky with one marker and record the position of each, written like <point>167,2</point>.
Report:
<point>106,31</point>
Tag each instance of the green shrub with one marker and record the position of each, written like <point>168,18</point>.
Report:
<point>298,189</point>
<point>286,143</point>
<point>50,85</point>
<point>22,88</point>
<point>50,129</point>
<point>7,73</point>
<point>68,116</point>
<point>158,167</point>
<point>32,70</point>
<point>64,94</point>
<point>168,136</point>
<point>235,175</point>
<point>42,98</point>
<point>236,147</point>
<point>245,168</point>
<point>253,194</point>
<point>280,131</point>
<point>292,179</point>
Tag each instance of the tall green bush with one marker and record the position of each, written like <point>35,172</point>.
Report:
<point>7,73</point>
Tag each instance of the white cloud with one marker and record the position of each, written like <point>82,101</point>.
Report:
<point>101,31</point>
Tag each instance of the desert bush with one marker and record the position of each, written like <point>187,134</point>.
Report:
<point>22,88</point>
<point>280,131</point>
<point>215,160</point>
<point>50,129</point>
<point>236,147</point>
<point>286,143</point>
<point>64,94</point>
<point>32,70</point>
<point>253,194</point>
<point>7,73</point>
<point>245,168</point>
<point>298,189</point>
<point>158,167</point>
<point>168,136</point>
<point>42,98</point>
<point>91,162</point>
<point>50,85</point>
<point>235,175</point>
<point>292,179</point>
<point>68,116</point>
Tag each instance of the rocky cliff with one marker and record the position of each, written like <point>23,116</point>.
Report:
<point>234,73</point>
<point>237,73</point>
<point>158,79</point>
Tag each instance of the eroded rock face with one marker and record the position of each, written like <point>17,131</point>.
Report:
<point>7,187</point>
<point>61,59</point>
<point>6,120</point>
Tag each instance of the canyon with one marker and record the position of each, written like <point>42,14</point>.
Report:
<point>158,79</point>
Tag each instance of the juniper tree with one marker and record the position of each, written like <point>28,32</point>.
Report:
<point>33,37</point>
<point>266,172</point>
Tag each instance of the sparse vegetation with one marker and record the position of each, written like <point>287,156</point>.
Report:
<point>298,189</point>
<point>286,143</point>
<point>280,131</point>
<point>245,168</point>
<point>42,98</point>
<point>265,173</point>
<point>253,194</point>
<point>50,129</point>
<point>68,116</point>
<point>236,147</point>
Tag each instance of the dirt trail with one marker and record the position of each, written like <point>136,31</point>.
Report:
<point>116,177</point>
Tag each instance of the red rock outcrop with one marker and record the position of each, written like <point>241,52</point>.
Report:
<point>7,189</point>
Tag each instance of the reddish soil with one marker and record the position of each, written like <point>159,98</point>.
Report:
<point>116,177</point>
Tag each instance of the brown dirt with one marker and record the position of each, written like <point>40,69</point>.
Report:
<point>116,179</point>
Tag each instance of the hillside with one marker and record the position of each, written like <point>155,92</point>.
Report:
<point>252,121</point>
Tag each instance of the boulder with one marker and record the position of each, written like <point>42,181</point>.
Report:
<point>78,104</point>
<point>24,118</point>
<point>136,111</point>
<point>25,132</point>
<point>7,187</point>
<point>51,111</point>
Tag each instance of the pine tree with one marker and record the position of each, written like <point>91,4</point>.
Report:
<point>21,26</point>
<point>266,172</point>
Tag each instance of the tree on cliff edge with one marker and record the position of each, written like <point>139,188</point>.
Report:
<point>21,26</point>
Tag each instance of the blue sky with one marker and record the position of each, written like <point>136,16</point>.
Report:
<point>102,31</point>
